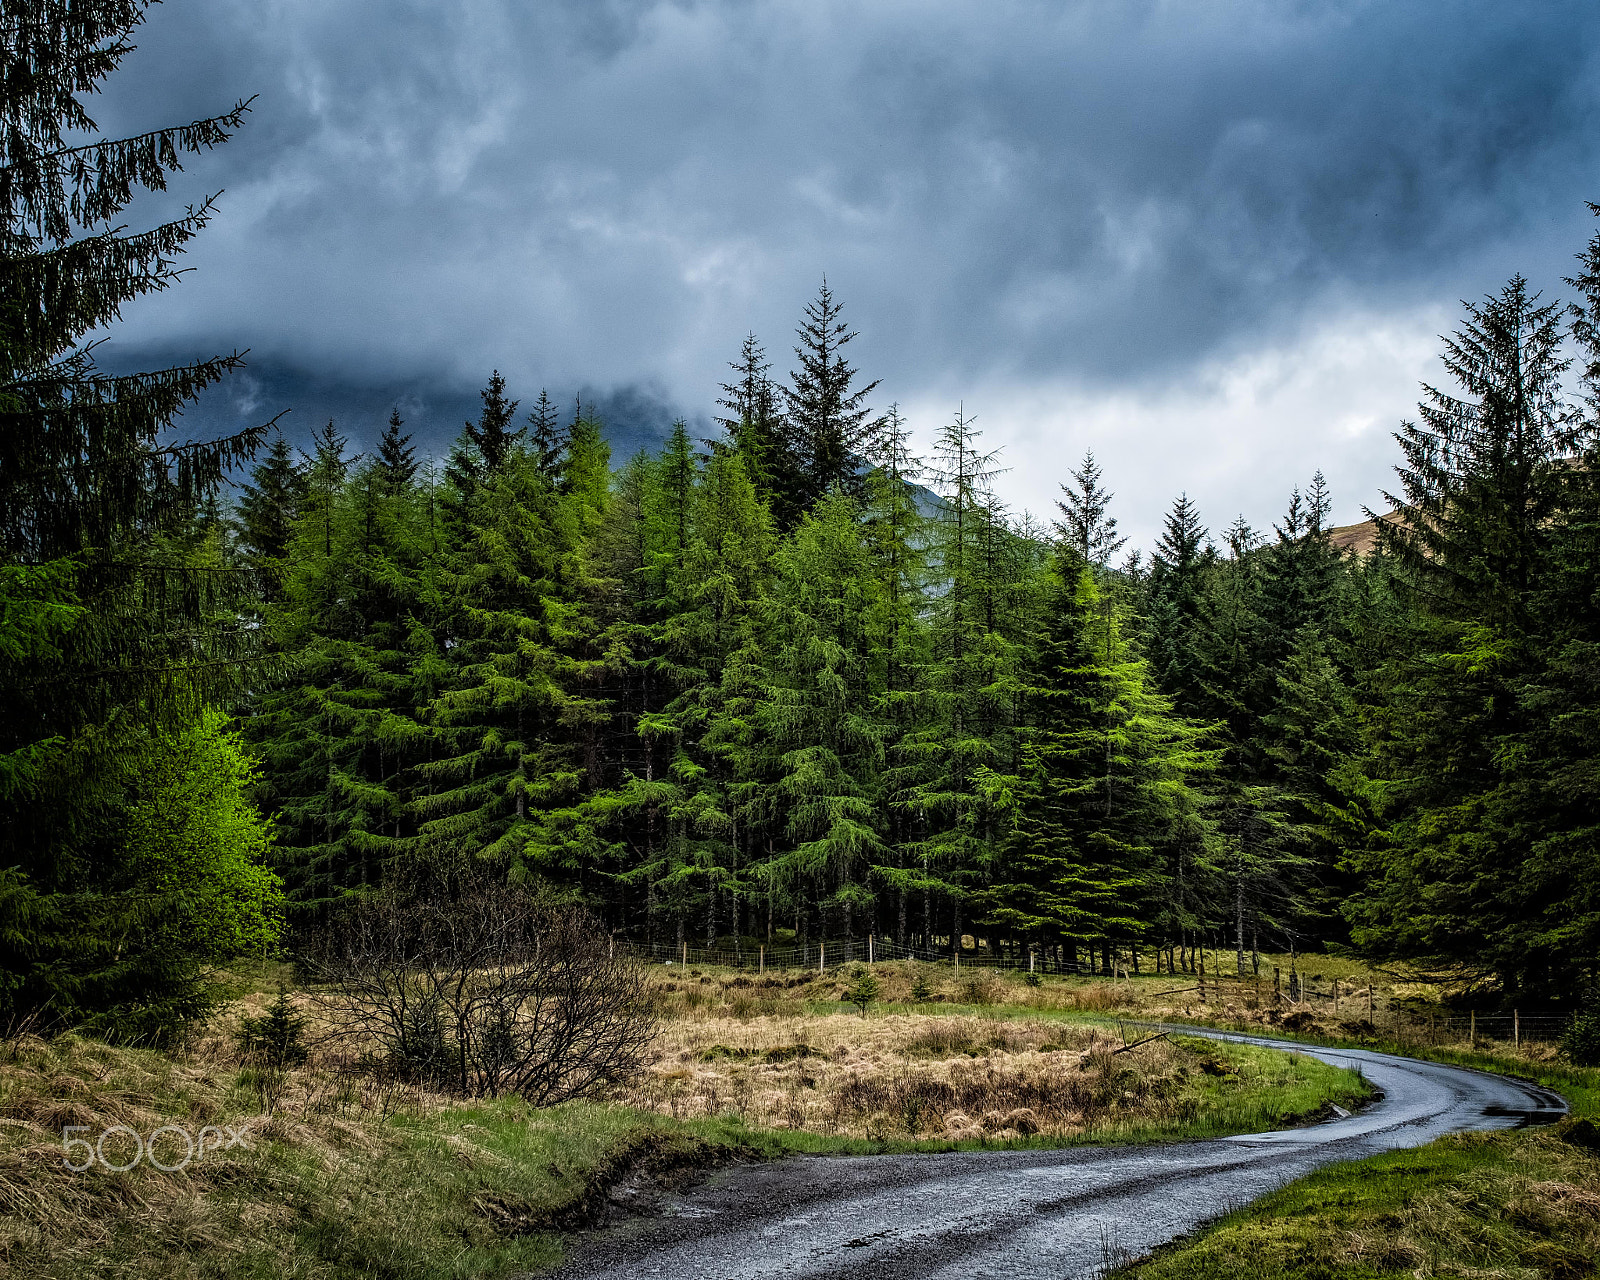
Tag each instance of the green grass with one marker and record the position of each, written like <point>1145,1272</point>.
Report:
<point>1503,1204</point>
<point>1519,1203</point>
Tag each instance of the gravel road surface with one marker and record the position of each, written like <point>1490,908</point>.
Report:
<point>1028,1215</point>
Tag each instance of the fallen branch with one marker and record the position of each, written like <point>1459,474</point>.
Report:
<point>1128,1047</point>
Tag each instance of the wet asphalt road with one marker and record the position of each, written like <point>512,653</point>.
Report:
<point>1028,1214</point>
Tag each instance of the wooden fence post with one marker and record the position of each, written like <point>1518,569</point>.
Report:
<point>685,953</point>
<point>1202,977</point>
<point>763,967</point>
<point>1336,995</point>
<point>1474,1017</point>
<point>1369,999</point>
<point>822,948</point>
<point>1031,956</point>
<point>870,959</point>
<point>1516,1030</point>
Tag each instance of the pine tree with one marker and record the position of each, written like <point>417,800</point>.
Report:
<point>816,723</point>
<point>484,446</point>
<point>113,640</point>
<point>1482,476</point>
<point>758,431</point>
<point>1456,849</point>
<point>267,510</point>
<point>340,730</point>
<point>548,441</point>
<point>504,606</point>
<point>1086,522</point>
<point>1175,588</point>
<point>396,457</point>
<point>1302,570</point>
<point>1107,783</point>
<point>951,765</point>
<point>896,534</point>
<point>830,424</point>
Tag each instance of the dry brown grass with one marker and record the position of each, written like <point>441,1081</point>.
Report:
<point>45,1087</point>
<point>1410,1014</point>
<point>939,1078</point>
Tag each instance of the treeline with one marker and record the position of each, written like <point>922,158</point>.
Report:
<point>790,680</point>
<point>797,682</point>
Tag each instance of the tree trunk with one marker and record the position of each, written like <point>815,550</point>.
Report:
<point>1238,922</point>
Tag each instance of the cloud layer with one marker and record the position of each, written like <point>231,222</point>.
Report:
<point>1083,214</point>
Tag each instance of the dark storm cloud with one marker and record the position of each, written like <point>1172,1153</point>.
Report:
<point>611,192</point>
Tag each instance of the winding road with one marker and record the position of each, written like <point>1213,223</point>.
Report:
<point>1030,1214</point>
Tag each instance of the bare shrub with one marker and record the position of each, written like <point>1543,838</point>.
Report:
<point>474,986</point>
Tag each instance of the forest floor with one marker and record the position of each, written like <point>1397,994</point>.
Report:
<point>320,1173</point>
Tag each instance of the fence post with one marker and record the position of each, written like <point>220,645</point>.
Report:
<point>763,961</point>
<point>685,953</point>
<point>870,951</point>
<point>1516,1030</point>
<point>1031,956</point>
<point>1336,995</point>
<point>1202,977</point>
<point>1369,998</point>
<point>822,949</point>
<point>1474,1016</point>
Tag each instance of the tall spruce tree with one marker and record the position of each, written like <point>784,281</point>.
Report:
<point>816,719</point>
<point>396,457</point>
<point>1086,520</point>
<point>1175,589</point>
<point>828,419</point>
<point>547,439</point>
<point>113,639</point>
<point>1106,793</point>
<point>756,426</point>
<point>950,765</point>
<point>339,733</point>
<point>1455,854</point>
<point>266,512</point>
<point>484,446</point>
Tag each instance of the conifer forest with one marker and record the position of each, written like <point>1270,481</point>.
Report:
<point>791,678</point>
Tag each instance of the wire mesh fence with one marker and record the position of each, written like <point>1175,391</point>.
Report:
<point>872,949</point>
<point>1353,1006</point>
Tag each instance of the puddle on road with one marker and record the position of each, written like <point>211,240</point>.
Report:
<point>1526,1119</point>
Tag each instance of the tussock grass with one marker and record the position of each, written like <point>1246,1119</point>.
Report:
<point>920,1078</point>
<point>344,1176</point>
<point>343,1179</point>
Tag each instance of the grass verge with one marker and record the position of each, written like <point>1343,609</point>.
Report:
<point>338,1177</point>
<point>1518,1204</point>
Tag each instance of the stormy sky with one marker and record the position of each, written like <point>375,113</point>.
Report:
<point>1213,240</point>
